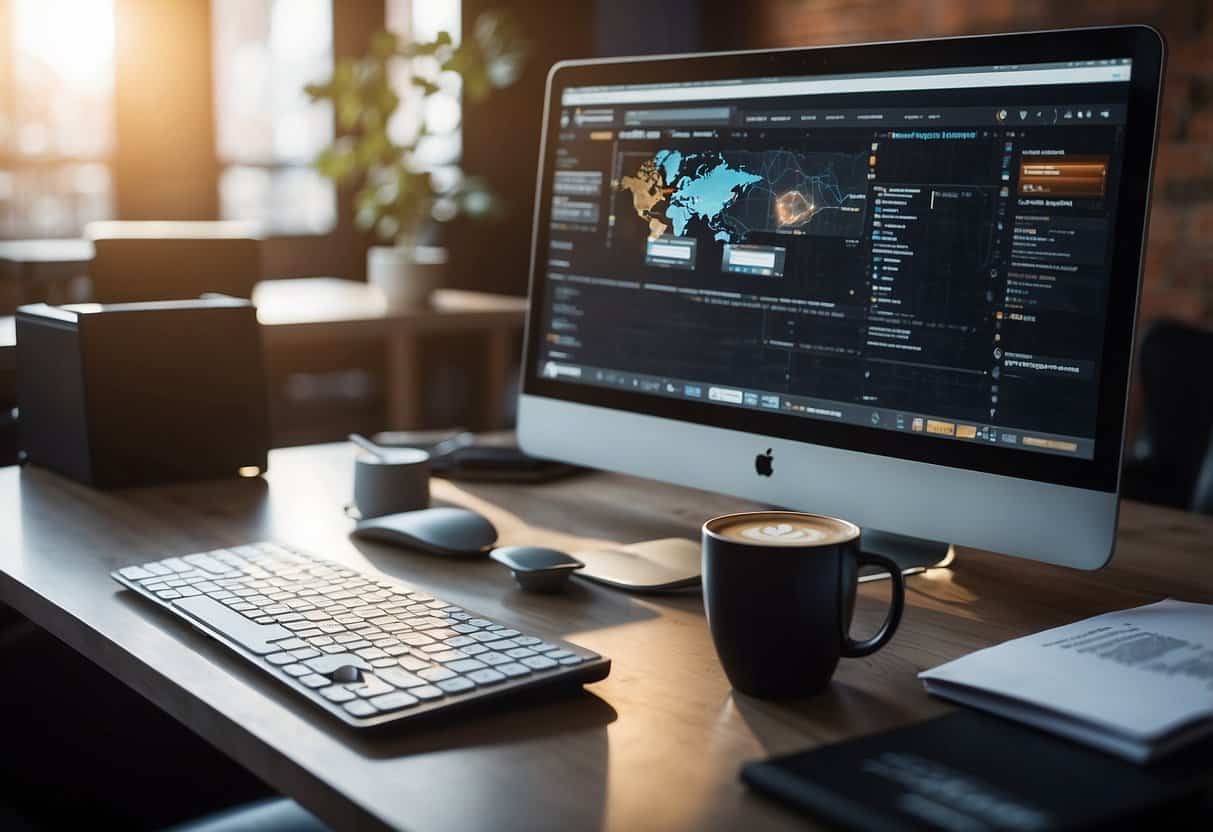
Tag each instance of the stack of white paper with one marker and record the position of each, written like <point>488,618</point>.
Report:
<point>1137,683</point>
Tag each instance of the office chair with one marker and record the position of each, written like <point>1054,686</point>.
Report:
<point>138,261</point>
<point>1172,465</point>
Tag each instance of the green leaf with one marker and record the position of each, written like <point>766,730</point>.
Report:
<point>426,86</point>
<point>384,44</point>
<point>393,200</point>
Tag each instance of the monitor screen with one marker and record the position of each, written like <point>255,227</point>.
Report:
<point>923,252</point>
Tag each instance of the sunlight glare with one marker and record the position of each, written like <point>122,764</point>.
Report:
<point>72,38</point>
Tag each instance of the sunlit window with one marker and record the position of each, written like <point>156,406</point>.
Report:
<point>267,131</point>
<point>422,20</point>
<point>56,116</point>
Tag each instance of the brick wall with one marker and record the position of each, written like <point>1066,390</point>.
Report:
<point>1179,258</point>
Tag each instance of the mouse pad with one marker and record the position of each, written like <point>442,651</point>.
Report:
<point>967,772</point>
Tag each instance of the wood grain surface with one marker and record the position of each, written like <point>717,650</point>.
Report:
<point>656,745</point>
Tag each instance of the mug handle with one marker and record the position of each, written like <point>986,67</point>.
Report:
<point>853,649</point>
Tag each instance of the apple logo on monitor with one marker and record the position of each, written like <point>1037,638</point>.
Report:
<point>764,464</point>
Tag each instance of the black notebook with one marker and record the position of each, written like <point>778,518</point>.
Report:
<point>967,772</point>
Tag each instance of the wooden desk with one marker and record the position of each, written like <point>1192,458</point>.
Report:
<point>327,311</point>
<point>656,745</point>
<point>320,311</point>
<point>43,270</point>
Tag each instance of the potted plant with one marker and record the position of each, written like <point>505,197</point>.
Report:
<point>400,198</point>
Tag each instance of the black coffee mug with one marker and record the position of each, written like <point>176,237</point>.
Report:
<point>780,614</point>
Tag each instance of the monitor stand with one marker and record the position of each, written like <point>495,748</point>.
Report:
<point>912,554</point>
<point>672,563</point>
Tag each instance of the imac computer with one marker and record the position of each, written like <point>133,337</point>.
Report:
<point>896,283</point>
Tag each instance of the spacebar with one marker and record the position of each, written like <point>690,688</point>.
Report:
<point>233,625</point>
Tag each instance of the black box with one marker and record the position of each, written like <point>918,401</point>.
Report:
<point>142,393</point>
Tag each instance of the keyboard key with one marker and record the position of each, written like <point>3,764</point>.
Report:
<point>305,653</point>
<point>296,670</point>
<point>428,693</point>
<point>372,686</point>
<point>169,594</point>
<point>393,701</point>
<point>436,674</point>
<point>412,663</point>
<point>480,622</point>
<point>400,678</point>
<point>207,564</point>
<point>337,693</point>
<point>388,662</point>
<point>456,685</point>
<point>569,661</point>
<point>135,573</point>
<point>557,655</point>
<point>493,659</point>
<point>459,641</point>
<point>292,643</point>
<point>513,670</point>
<point>488,676</point>
<point>280,658</point>
<point>520,653</point>
<point>369,653</point>
<point>539,663</point>
<point>314,680</point>
<point>508,633</point>
<point>446,656</point>
<point>360,708</point>
<point>253,637</point>
<point>527,641</point>
<point>396,650</point>
<point>474,649</point>
<point>466,665</point>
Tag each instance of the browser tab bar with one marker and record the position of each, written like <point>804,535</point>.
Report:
<point>872,82</point>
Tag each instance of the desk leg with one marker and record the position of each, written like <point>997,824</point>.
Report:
<point>497,366</point>
<point>402,383</point>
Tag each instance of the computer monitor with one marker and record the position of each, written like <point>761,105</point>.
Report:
<point>895,283</point>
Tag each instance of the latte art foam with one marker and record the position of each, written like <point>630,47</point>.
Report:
<point>783,528</point>
<point>783,533</point>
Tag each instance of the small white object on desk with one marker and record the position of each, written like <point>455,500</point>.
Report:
<point>1136,683</point>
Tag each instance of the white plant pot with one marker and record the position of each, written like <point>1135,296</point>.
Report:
<point>406,276</point>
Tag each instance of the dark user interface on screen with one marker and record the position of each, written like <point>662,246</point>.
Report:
<point>932,261</point>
